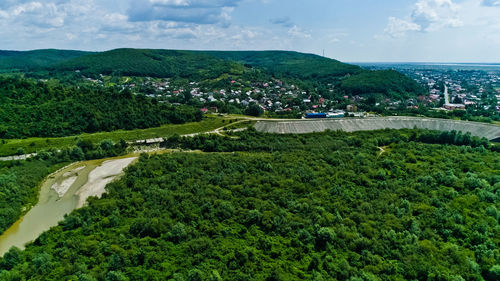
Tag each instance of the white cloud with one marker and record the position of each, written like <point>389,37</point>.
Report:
<point>45,15</point>
<point>70,36</point>
<point>484,20</point>
<point>333,36</point>
<point>40,14</point>
<point>435,14</point>
<point>426,16</point>
<point>398,27</point>
<point>3,14</point>
<point>295,31</point>
<point>87,24</point>
<point>26,8</point>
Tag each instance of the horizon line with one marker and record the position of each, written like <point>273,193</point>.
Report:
<point>267,50</point>
<point>424,62</point>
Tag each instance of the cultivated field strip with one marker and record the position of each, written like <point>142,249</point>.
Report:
<point>367,124</point>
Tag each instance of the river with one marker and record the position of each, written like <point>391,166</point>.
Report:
<point>61,193</point>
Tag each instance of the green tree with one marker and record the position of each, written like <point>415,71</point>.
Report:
<point>254,110</point>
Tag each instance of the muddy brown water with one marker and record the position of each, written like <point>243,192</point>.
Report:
<point>74,184</point>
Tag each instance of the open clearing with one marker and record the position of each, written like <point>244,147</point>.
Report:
<point>10,147</point>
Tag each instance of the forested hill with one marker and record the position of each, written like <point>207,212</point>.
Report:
<point>37,109</point>
<point>208,64</point>
<point>290,64</point>
<point>203,65</point>
<point>35,60</point>
<point>155,63</point>
<point>389,82</point>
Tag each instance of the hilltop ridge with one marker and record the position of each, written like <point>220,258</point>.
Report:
<point>35,59</point>
<point>206,65</point>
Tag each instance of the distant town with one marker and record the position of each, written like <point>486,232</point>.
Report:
<point>478,90</point>
<point>474,91</point>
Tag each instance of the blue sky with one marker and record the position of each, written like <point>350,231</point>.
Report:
<point>348,30</point>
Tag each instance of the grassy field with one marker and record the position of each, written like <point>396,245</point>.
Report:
<point>12,146</point>
<point>239,125</point>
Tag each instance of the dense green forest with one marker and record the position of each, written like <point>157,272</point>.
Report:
<point>290,64</point>
<point>327,206</point>
<point>19,181</point>
<point>30,108</point>
<point>388,82</point>
<point>172,63</point>
<point>251,140</point>
<point>34,60</point>
<point>154,63</point>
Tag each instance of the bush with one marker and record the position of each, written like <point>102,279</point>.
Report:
<point>254,110</point>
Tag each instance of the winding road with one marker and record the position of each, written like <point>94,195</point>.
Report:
<point>446,95</point>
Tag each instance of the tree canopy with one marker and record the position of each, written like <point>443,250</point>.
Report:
<point>330,206</point>
<point>48,109</point>
<point>387,82</point>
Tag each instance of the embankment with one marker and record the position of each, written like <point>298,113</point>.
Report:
<point>488,131</point>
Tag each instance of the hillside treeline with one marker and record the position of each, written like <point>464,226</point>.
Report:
<point>154,63</point>
<point>30,108</point>
<point>251,140</point>
<point>329,206</point>
<point>210,67</point>
<point>292,65</point>
<point>390,83</point>
<point>34,60</point>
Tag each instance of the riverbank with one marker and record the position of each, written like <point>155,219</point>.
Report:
<point>100,177</point>
<point>62,192</point>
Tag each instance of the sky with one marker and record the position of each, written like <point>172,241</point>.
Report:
<point>347,30</point>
